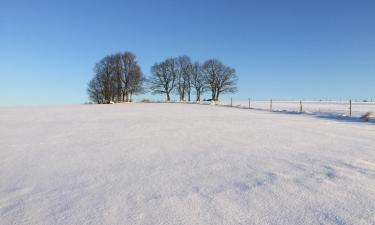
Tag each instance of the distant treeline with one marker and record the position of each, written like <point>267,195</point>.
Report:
<point>118,77</point>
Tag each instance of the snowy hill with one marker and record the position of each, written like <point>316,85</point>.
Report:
<point>182,164</point>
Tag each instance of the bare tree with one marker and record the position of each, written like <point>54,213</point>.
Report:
<point>129,68</point>
<point>188,78</point>
<point>116,78</point>
<point>104,71</point>
<point>197,80</point>
<point>163,78</point>
<point>220,78</point>
<point>183,72</point>
<point>209,69</point>
<point>94,90</point>
<point>117,75</point>
<point>136,82</point>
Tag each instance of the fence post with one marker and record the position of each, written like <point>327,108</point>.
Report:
<point>300,106</point>
<point>350,107</point>
<point>249,104</point>
<point>271,105</point>
<point>231,103</point>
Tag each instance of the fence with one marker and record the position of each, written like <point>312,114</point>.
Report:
<point>342,108</point>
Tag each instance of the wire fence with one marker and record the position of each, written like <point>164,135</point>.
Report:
<point>341,108</point>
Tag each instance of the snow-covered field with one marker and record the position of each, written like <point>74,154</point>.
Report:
<point>183,164</point>
<point>332,108</point>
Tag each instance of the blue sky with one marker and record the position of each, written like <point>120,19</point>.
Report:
<point>321,49</point>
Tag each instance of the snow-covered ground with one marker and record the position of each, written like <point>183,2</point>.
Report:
<point>333,108</point>
<point>183,164</point>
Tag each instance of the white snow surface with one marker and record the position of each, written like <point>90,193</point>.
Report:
<point>327,108</point>
<point>182,164</point>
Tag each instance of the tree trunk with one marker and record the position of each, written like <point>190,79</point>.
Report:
<point>168,97</point>
<point>126,96</point>
<point>198,96</point>
<point>217,96</point>
<point>213,94</point>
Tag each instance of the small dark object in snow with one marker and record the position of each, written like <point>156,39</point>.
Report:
<point>145,100</point>
<point>368,116</point>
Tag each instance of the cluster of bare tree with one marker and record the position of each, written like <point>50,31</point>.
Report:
<point>116,78</point>
<point>181,76</point>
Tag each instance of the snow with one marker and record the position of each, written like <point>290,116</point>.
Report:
<point>329,108</point>
<point>146,163</point>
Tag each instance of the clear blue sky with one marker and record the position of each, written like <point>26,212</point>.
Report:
<point>321,49</point>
